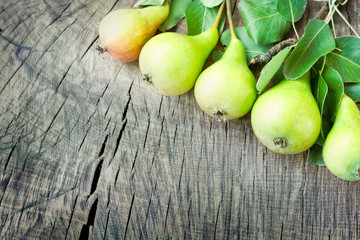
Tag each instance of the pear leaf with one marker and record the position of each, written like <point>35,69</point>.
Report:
<point>271,68</point>
<point>252,49</point>
<point>291,10</point>
<point>211,3</point>
<point>177,12</point>
<point>279,75</point>
<point>314,156</point>
<point>320,90</point>
<point>353,91</point>
<point>316,42</point>
<point>200,18</point>
<point>149,2</point>
<point>263,21</point>
<point>217,55</point>
<point>336,90</point>
<point>347,60</point>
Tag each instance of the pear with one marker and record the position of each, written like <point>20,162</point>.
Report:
<point>341,150</point>
<point>171,62</point>
<point>124,32</point>
<point>227,89</point>
<point>286,118</point>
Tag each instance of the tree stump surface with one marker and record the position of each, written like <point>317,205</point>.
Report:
<point>88,150</point>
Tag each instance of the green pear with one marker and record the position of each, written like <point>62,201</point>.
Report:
<point>341,150</point>
<point>171,62</point>
<point>227,89</point>
<point>124,32</point>
<point>286,118</point>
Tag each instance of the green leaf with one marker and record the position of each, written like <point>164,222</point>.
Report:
<point>149,2</point>
<point>262,20</point>
<point>347,60</point>
<point>200,18</point>
<point>211,3</point>
<point>314,156</point>
<point>316,42</point>
<point>336,90</point>
<point>271,68</point>
<point>252,49</point>
<point>279,75</point>
<point>320,90</point>
<point>291,10</point>
<point>177,12</point>
<point>353,91</point>
<point>217,55</point>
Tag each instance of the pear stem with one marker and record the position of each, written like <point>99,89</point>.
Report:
<point>218,16</point>
<point>230,19</point>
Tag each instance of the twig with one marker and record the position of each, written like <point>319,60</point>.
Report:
<point>262,59</point>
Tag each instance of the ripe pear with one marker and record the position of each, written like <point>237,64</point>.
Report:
<point>171,62</point>
<point>341,150</point>
<point>286,118</point>
<point>124,32</point>
<point>227,89</point>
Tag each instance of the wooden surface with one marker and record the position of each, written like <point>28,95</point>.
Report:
<point>89,150</point>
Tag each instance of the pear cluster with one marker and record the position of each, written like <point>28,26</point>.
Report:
<point>286,118</point>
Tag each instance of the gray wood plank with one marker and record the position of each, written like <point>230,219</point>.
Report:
<point>87,150</point>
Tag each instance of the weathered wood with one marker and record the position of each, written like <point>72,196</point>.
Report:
<point>88,150</point>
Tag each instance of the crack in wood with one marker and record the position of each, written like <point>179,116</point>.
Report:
<point>129,215</point>
<point>98,168</point>
<point>71,216</point>
<point>84,234</point>
<point>119,137</point>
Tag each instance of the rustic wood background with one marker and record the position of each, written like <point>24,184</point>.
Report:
<point>89,150</point>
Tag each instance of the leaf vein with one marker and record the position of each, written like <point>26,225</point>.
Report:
<point>346,59</point>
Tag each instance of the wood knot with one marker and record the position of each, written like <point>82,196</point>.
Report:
<point>219,115</point>
<point>280,142</point>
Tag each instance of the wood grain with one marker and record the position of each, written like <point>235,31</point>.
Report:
<point>87,150</point>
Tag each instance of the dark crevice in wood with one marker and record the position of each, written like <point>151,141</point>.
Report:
<point>127,103</point>
<point>71,215</point>
<point>147,130</point>
<point>98,167</point>
<point>64,75</point>
<point>106,225</point>
<point>128,220</point>
<point>229,206</point>
<point>175,132</point>
<point>60,14</point>
<point>182,169</point>
<point>162,97</point>
<point>6,183</point>
<point>217,220</point>
<point>135,157</point>
<point>8,158</point>
<point>102,150</point>
<point>108,196</point>
<point>167,212</point>
<point>82,142</point>
<point>116,176</point>
<point>50,125</point>
<point>119,137</point>
<point>84,234</point>
<point>89,47</point>
<point>113,6</point>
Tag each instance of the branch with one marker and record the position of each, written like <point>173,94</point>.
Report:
<point>262,59</point>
